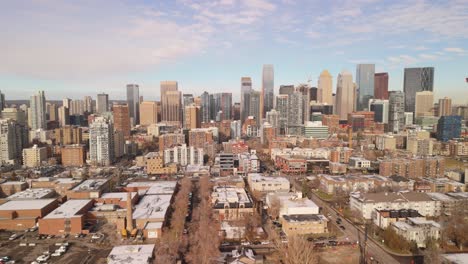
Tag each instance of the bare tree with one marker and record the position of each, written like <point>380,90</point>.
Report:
<point>456,226</point>
<point>432,254</point>
<point>274,208</point>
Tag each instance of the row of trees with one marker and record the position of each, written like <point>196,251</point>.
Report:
<point>173,243</point>
<point>204,239</point>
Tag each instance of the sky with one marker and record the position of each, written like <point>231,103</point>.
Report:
<point>77,48</point>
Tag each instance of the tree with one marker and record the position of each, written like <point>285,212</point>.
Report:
<point>456,226</point>
<point>274,207</point>
<point>432,254</point>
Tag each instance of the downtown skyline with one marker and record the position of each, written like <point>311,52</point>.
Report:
<point>210,45</point>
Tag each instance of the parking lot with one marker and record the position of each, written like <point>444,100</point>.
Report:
<point>29,246</point>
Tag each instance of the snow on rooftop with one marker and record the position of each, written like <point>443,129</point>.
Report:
<point>152,207</point>
<point>26,204</point>
<point>36,193</point>
<point>230,194</point>
<point>90,185</point>
<point>258,177</point>
<point>13,183</point>
<point>117,195</point>
<point>154,225</point>
<point>152,183</point>
<point>68,209</point>
<point>130,254</point>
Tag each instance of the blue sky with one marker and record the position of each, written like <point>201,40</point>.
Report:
<point>77,48</point>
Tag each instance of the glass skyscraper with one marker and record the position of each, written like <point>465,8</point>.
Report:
<point>364,85</point>
<point>416,80</point>
<point>133,101</point>
<point>267,88</point>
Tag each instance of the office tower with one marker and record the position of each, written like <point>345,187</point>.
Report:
<point>396,111</point>
<point>2,101</point>
<point>236,129</point>
<point>325,88</point>
<point>66,102</point>
<point>88,104</point>
<point>76,107</point>
<point>409,118</point>
<point>53,112</point>
<point>314,94</point>
<point>344,95</point>
<point>268,94</point>
<point>15,114</point>
<point>416,80</point>
<point>102,103</point>
<point>205,107</point>
<point>133,102</point>
<point>63,116</point>
<point>148,113</point>
<point>424,103</point>
<point>448,127</point>
<point>38,111</point>
<point>223,105</point>
<point>445,106</point>
<point>68,135</point>
<point>286,89</point>
<point>236,111</point>
<point>254,104</point>
<point>304,89</point>
<point>101,142</point>
<point>11,143</point>
<point>187,99</point>
<point>282,108</point>
<point>272,117</point>
<point>119,144</point>
<point>246,88</point>
<point>365,74</point>
<point>171,108</point>
<point>122,119</point>
<point>192,116</point>
<point>295,109</point>
<point>380,109</point>
<point>381,86</point>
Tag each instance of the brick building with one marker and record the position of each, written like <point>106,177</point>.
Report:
<point>73,155</point>
<point>22,214</point>
<point>69,218</point>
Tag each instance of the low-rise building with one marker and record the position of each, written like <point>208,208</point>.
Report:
<point>60,185</point>
<point>444,185</point>
<point>11,187</point>
<point>358,162</point>
<point>261,183</point>
<point>418,230</point>
<point>151,208</point>
<point>131,254</point>
<point>69,218</point>
<point>154,164</point>
<point>89,189</point>
<point>304,224</point>
<point>33,194</point>
<point>231,203</point>
<point>384,218</point>
<point>22,214</point>
<point>352,183</point>
<point>291,164</point>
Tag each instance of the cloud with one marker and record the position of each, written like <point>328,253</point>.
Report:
<point>455,50</point>
<point>421,48</point>
<point>428,56</point>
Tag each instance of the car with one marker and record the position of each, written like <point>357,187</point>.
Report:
<point>245,243</point>
<point>43,258</point>
<point>225,244</point>
<point>265,242</point>
<point>342,227</point>
<point>13,237</point>
<point>56,254</point>
<point>96,236</point>
<point>5,258</point>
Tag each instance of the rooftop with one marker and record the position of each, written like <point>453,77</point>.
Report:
<point>152,207</point>
<point>37,193</point>
<point>117,195</point>
<point>304,218</point>
<point>392,197</point>
<point>131,254</point>
<point>230,194</point>
<point>13,183</point>
<point>26,204</point>
<point>257,177</point>
<point>69,209</point>
<point>90,185</point>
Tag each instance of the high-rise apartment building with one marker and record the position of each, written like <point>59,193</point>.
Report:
<point>424,103</point>
<point>192,116</point>
<point>88,104</point>
<point>66,102</point>
<point>396,111</point>
<point>171,105</point>
<point>268,94</point>
<point>2,101</point>
<point>448,127</point>
<point>133,102</point>
<point>101,142</point>
<point>282,108</point>
<point>223,106</point>
<point>365,74</point>
<point>445,106</point>
<point>122,119</point>
<point>325,83</point>
<point>187,99</point>
<point>38,111</point>
<point>254,106</point>
<point>272,117</point>
<point>205,107</point>
<point>416,80</point>
<point>73,155</point>
<point>148,113</point>
<point>246,88</point>
<point>63,116</point>
<point>76,107</point>
<point>34,157</point>
<point>15,114</point>
<point>11,144</point>
<point>381,86</point>
<point>286,89</point>
<point>295,109</point>
<point>344,95</point>
<point>102,103</point>
<point>380,109</point>
<point>53,112</point>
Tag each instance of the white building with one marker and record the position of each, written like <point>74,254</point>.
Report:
<point>236,129</point>
<point>131,254</point>
<point>101,142</point>
<point>367,203</point>
<point>38,111</point>
<point>315,130</point>
<point>10,142</point>
<point>33,157</point>
<point>249,163</point>
<point>357,162</point>
<point>184,155</point>
<point>417,229</point>
<point>259,182</point>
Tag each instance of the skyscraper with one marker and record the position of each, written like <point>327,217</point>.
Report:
<point>344,95</point>
<point>254,106</point>
<point>101,142</point>
<point>66,102</point>
<point>10,142</point>
<point>246,88</point>
<point>304,89</point>
<point>381,86</point>
<point>63,116</point>
<point>365,74</point>
<point>324,91</point>
<point>424,104</point>
<point>282,108</point>
<point>205,107</point>
<point>171,105</point>
<point>295,112</point>
<point>192,116</point>
<point>102,103</point>
<point>187,99</point>
<point>380,109</point>
<point>53,112</point>
<point>148,113</point>
<point>396,111</point>
<point>2,101</point>
<point>445,106</point>
<point>448,127</point>
<point>268,94</point>
<point>121,119</point>
<point>286,89</point>
<point>133,101</point>
<point>223,105</point>
<point>416,80</point>
<point>38,111</point>
<point>88,104</point>
<point>272,117</point>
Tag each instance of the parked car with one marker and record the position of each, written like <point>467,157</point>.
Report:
<point>43,258</point>
<point>342,227</point>
<point>13,237</point>
<point>56,254</point>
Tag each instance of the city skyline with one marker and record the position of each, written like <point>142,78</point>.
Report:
<point>84,58</point>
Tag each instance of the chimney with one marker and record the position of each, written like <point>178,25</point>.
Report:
<point>129,212</point>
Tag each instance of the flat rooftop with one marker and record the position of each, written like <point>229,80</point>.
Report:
<point>257,177</point>
<point>304,218</point>
<point>131,254</point>
<point>13,183</point>
<point>90,185</point>
<point>230,194</point>
<point>304,203</point>
<point>393,197</point>
<point>69,209</point>
<point>28,194</point>
<point>152,207</point>
<point>117,195</point>
<point>26,204</point>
